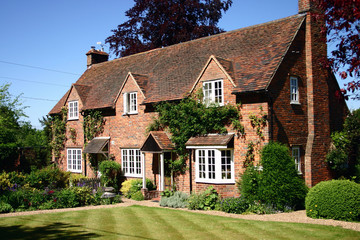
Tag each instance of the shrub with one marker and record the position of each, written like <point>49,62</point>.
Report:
<point>234,205</point>
<point>17,179</point>
<point>50,176</point>
<point>5,207</point>
<point>336,199</point>
<point>66,198</point>
<point>249,185</point>
<point>178,200</point>
<point>167,193</point>
<point>258,207</point>
<point>5,183</point>
<point>109,172</point>
<point>280,184</point>
<point>134,185</point>
<point>207,200</point>
<point>138,196</point>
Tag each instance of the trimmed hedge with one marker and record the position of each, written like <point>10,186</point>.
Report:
<point>336,199</point>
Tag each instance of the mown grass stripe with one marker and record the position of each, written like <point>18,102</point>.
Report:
<point>213,228</point>
<point>159,220</point>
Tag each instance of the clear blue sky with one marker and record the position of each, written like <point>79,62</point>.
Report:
<point>56,35</point>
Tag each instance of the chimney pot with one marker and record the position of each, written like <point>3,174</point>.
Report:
<point>96,56</point>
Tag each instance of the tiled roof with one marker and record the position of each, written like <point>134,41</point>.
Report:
<point>210,140</point>
<point>96,145</point>
<point>250,55</point>
<point>157,141</point>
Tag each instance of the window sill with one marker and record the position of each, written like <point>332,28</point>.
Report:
<point>73,119</point>
<point>130,113</point>
<point>218,182</point>
<point>295,103</point>
<point>133,175</point>
<point>74,171</point>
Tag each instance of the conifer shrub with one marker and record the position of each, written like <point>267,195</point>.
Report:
<point>178,200</point>
<point>249,184</point>
<point>280,185</point>
<point>109,172</point>
<point>335,199</point>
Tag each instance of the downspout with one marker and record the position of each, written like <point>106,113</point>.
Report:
<point>271,120</point>
<point>190,169</point>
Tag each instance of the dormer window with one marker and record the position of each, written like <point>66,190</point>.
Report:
<point>73,110</point>
<point>213,92</point>
<point>294,90</point>
<point>130,103</point>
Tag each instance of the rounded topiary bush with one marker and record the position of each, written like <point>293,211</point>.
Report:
<point>336,199</point>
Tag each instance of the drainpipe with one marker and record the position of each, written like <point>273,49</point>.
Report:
<point>190,169</point>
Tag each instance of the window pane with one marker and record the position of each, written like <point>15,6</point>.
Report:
<point>201,163</point>
<point>69,159</point>
<point>125,161</point>
<point>138,162</point>
<point>226,164</point>
<point>211,164</point>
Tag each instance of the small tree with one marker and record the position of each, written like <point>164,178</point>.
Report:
<point>159,23</point>
<point>280,184</point>
<point>344,158</point>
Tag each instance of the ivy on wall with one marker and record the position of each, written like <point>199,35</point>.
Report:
<point>191,118</point>
<point>58,132</point>
<point>93,126</point>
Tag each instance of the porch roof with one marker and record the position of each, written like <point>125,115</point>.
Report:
<point>96,145</point>
<point>210,140</point>
<point>157,141</point>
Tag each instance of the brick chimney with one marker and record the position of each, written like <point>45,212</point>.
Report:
<point>305,5</point>
<point>96,56</point>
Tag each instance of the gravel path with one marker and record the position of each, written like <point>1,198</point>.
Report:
<point>297,216</point>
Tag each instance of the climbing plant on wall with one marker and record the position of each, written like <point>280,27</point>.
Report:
<point>93,125</point>
<point>190,118</point>
<point>58,132</point>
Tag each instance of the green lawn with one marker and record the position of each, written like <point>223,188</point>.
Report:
<point>137,222</point>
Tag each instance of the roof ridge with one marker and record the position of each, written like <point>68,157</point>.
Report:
<point>202,38</point>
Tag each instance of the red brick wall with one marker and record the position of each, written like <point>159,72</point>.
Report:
<point>75,124</point>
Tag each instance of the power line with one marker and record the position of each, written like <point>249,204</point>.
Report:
<point>40,99</point>
<point>23,80</point>
<point>41,68</point>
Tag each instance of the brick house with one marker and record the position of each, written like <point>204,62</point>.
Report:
<point>273,69</point>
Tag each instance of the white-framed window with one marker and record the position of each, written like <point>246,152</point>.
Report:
<point>131,162</point>
<point>130,103</point>
<point>213,92</point>
<point>73,110</point>
<point>214,166</point>
<point>74,162</point>
<point>295,152</point>
<point>294,90</point>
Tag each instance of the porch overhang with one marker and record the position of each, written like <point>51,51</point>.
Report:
<point>97,145</point>
<point>157,142</point>
<point>217,141</point>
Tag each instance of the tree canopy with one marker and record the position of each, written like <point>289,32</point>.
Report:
<point>17,135</point>
<point>160,23</point>
<point>343,28</point>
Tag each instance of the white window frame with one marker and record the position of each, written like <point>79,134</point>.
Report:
<point>209,166</point>
<point>73,110</point>
<point>74,160</point>
<point>131,163</point>
<point>294,90</point>
<point>295,153</point>
<point>211,92</point>
<point>130,103</point>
